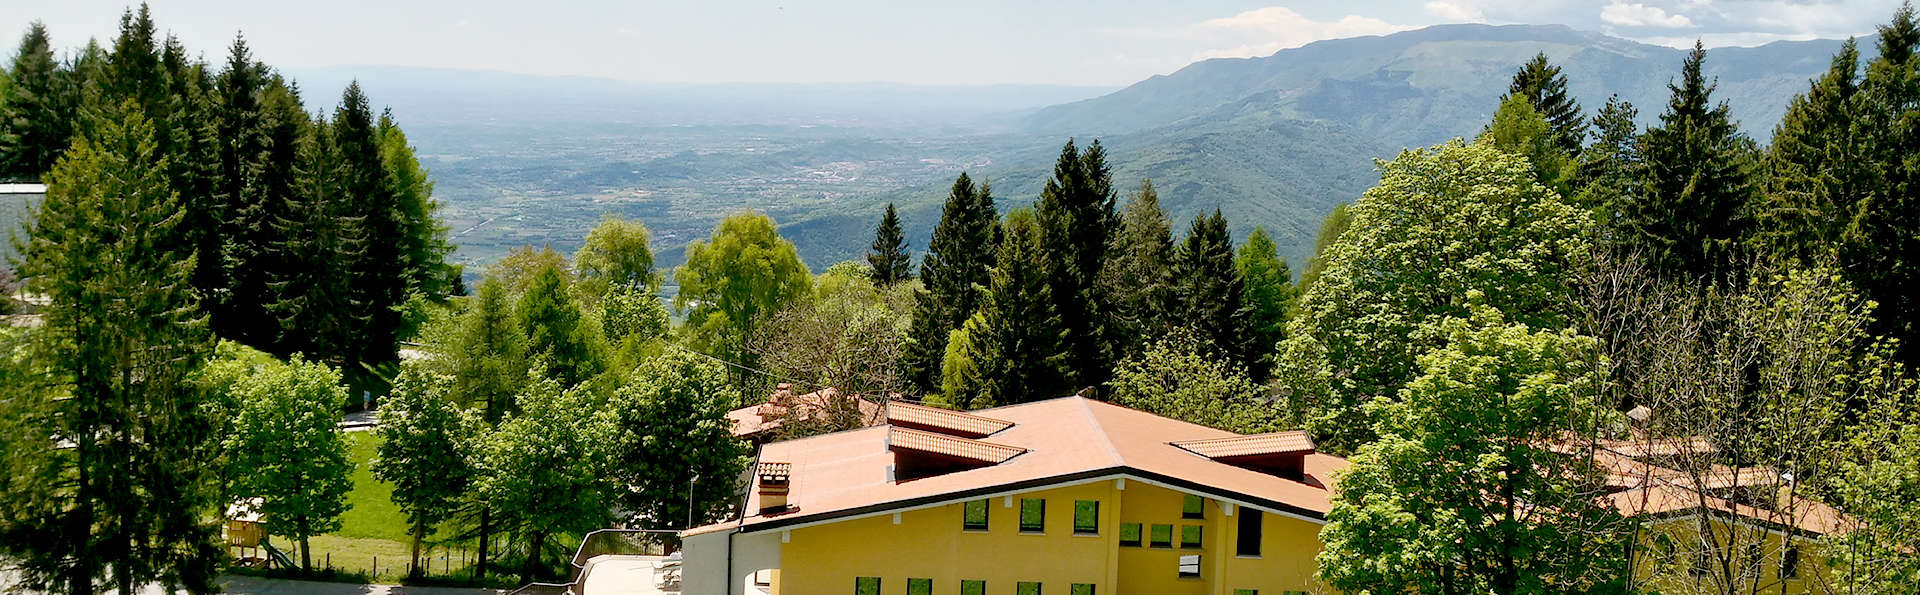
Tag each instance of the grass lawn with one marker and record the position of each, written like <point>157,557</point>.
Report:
<point>373,514</point>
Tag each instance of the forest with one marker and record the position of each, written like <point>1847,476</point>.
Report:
<point>217,273</point>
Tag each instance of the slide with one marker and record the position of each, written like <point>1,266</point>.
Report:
<point>277,556</point>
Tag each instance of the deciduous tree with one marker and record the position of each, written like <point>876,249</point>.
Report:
<point>424,452</point>
<point>732,283</point>
<point>673,446</point>
<point>287,451</point>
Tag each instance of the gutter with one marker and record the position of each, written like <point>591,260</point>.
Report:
<point>741,522</point>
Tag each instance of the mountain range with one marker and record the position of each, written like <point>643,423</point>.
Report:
<point>1277,141</point>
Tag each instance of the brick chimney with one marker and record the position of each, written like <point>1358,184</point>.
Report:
<point>773,480</point>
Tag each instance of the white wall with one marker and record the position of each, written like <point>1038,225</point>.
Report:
<point>705,570</point>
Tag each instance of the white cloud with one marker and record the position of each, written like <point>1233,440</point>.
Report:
<point>1263,31</point>
<point>1455,12</point>
<point>1641,15</point>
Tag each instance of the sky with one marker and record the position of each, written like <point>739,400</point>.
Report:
<point>964,42</point>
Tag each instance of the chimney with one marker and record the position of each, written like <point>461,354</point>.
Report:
<point>773,481</point>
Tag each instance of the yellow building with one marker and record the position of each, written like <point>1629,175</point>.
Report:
<point>1061,497</point>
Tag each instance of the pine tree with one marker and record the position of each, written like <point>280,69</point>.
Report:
<point>1814,169</point>
<point>312,301</point>
<point>889,257</point>
<point>1269,292</point>
<point>556,338</point>
<point>36,109</point>
<point>1017,341</point>
<point>1077,221</point>
<point>953,273</point>
<point>1693,217</point>
<point>423,245</point>
<point>192,152</point>
<point>1608,172</point>
<point>1137,275</point>
<point>1879,244</point>
<point>1211,291</point>
<point>376,272</point>
<point>1542,84</point>
<point>129,490</point>
<point>240,123</point>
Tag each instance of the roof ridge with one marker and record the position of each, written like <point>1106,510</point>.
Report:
<point>1101,429</point>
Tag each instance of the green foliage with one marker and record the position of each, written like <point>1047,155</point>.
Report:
<point>1178,377</point>
<point>517,270</point>
<point>1017,353</point>
<point>1694,216</point>
<point>565,348</point>
<point>1608,172</point>
<point>959,371</point>
<point>1544,88</point>
<point>1138,276</point>
<point>1878,486</point>
<point>286,449</point>
<point>1269,292</point>
<point>1444,221</point>
<point>617,256</point>
<point>1077,222</point>
<point>954,273</point>
<point>487,356</point>
<point>121,338</point>
<point>543,472</point>
<point>1879,243</point>
<point>1814,168</point>
<point>1518,129</point>
<point>1462,492</point>
<point>889,258</point>
<point>36,109</point>
<point>632,313</point>
<point>423,452</point>
<point>1211,293</point>
<point>420,237</point>
<point>850,335</point>
<point>671,435</point>
<point>735,281</point>
<point>1335,224</point>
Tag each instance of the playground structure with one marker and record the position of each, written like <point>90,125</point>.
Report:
<point>246,530</point>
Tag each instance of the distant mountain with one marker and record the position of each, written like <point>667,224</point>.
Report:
<point>1420,87</point>
<point>1277,141</point>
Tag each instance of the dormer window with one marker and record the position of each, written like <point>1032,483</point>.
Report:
<point>919,453</point>
<point>1282,454</point>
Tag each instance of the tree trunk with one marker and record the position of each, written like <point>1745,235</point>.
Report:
<point>306,556</point>
<point>80,576</point>
<point>486,527</point>
<point>419,530</point>
<point>538,542</point>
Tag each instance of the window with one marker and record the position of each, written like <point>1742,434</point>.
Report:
<point>1080,589</point>
<point>973,516</point>
<point>1130,534</point>
<point>1026,588</point>
<point>1086,517</point>
<point>1162,536</point>
<point>919,586</point>
<point>1033,515</point>
<point>1194,508</point>
<point>1190,536</point>
<point>866,585</point>
<point>1190,566</point>
<point>1247,539</point>
<point>1790,562</point>
<point>973,587</point>
<point>1246,592</point>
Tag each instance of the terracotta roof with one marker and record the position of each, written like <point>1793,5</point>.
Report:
<point>941,444</point>
<point>943,420</point>
<point>1660,447</point>
<point>1667,500</point>
<point>1274,443</point>
<point>1070,439</point>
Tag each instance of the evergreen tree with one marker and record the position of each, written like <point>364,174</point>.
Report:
<point>242,144</point>
<point>1077,222</point>
<point>1880,246</point>
<point>1545,88</point>
<point>194,171</point>
<point>1608,172</point>
<point>36,109</point>
<point>256,251</point>
<point>1269,292</point>
<point>376,272</point>
<point>488,357</point>
<point>1694,215</point>
<point>1212,293</point>
<point>954,274</point>
<point>889,257</point>
<point>556,337</point>
<point>1138,274</point>
<point>311,291</point>
<point>1017,355</point>
<point>1814,168</point>
<point>422,239</point>
<point>120,484</point>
